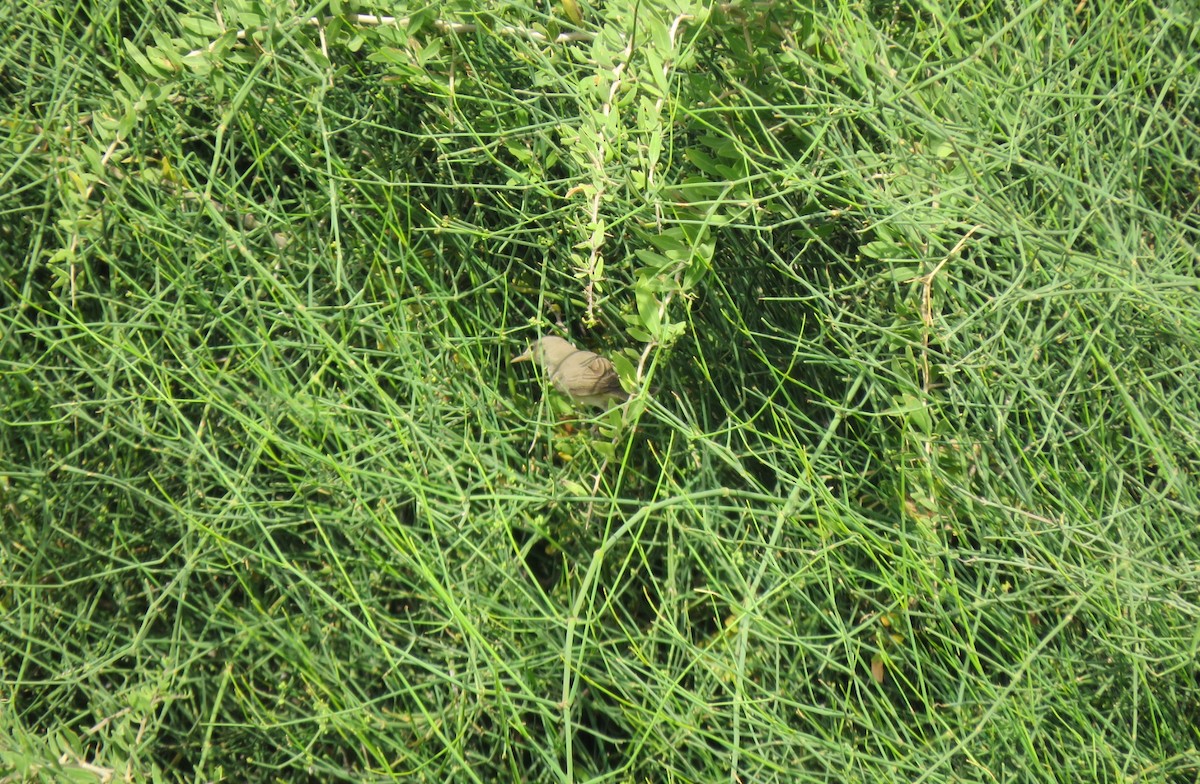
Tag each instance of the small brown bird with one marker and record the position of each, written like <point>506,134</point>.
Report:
<point>580,375</point>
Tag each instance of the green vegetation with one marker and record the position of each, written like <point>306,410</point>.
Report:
<point>907,293</point>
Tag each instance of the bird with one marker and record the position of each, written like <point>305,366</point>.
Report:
<point>581,375</point>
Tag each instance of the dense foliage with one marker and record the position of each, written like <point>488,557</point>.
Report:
<point>906,293</point>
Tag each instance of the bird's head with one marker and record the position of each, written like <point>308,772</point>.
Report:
<point>548,351</point>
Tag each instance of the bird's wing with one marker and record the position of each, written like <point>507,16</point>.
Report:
<point>588,375</point>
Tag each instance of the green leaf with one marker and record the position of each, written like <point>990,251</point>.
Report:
<point>18,762</point>
<point>884,250</point>
<point>901,273</point>
<point>704,163</point>
<point>636,332</point>
<point>654,261</point>
<point>574,488</point>
<point>571,9</point>
<point>647,308</point>
<point>418,20</point>
<point>696,272</point>
<point>79,775</point>
<point>200,25</point>
<point>912,410</point>
<point>431,51</point>
<point>141,60</point>
<point>625,368</point>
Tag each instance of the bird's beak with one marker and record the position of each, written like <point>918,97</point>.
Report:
<point>528,355</point>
